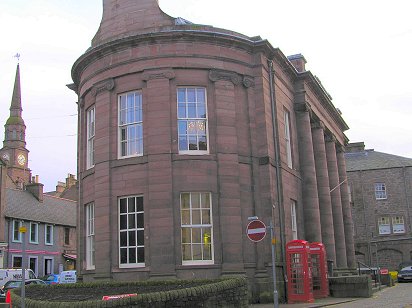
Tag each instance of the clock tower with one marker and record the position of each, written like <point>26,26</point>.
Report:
<point>14,153</point>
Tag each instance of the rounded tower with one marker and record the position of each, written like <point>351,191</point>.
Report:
<point>169,147</point>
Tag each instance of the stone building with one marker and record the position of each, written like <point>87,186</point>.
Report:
<point>186,131</point>
<point>50,240</point>
<point>381,190</point>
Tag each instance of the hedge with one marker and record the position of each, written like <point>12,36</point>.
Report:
<point>229,292</point>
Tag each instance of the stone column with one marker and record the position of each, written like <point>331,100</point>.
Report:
<point>340,244</point>
<point>161,226</point>
<point>230,212</point>
<point>105,211</point>
<point>325,202</point>
<point>310,200</point>
<point>346,209</point>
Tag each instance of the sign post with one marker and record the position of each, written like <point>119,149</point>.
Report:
<point>23,231</point>
<point>256,231</point>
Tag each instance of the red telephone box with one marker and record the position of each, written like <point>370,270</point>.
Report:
<point>319,270</point>
<point>299,272</point>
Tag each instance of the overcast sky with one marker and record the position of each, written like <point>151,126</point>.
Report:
<point>360,50</point>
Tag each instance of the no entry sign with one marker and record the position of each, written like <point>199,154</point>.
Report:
<point>256,230</point>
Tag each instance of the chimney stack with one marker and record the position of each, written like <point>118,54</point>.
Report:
<point>298,61</point>
<point>36,189</point>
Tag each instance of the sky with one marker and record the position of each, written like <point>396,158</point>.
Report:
<point>360,50</point>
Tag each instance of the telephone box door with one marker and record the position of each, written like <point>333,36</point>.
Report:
<point>319,270</point>
<point>299,272</point>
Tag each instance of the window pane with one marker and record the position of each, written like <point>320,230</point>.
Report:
<point>195,200</point>
<point>181,95</point>
<point>132,238</point>
<point>186,252</point>
<point>202,143</point>
<point>196,217</point>
<point>181,110</point>
<point>139,204</point>
<point>131,205</point>
<point>132,221</point>
<point>123,238</point>
<point>191,110</point>
<point>123,222</point>
<point>200,95</point>
<point>140,238</point>
<point>191,95</point>
<point>132,255</point>
<point>182,127</point>
<point>186,235</point>
<point>205,201</point>
<point>205,217</point>
<point>140,254</point>
<point>123,203</point>
<point>192,143</point>
<point>185,201</point>
<point>140,220</point>
<point>196,235</point>
<point>183,143</point>
<point>185,217</point>
<point>197,251</point>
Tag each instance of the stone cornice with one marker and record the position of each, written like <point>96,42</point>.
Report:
<point>324,98</point>
<point>224,39</point>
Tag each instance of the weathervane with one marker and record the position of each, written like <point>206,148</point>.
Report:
<point>17,55</point>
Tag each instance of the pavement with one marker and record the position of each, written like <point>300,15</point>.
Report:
<point>321,302</point>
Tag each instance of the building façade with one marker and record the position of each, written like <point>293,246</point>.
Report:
<point>381,191</point>
<point>186,131</point>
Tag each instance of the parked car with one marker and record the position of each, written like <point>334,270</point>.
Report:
<point>51,279</point>
<point>7,274</point>
<point>12,284</point>
<point>405,274</point>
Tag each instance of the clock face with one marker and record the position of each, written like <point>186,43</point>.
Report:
<point>21,159</point>
<point>6,156</point>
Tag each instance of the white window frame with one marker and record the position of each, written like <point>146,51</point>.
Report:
<point>91,126</point>
<point>294,220</point>
<point>36,270</point>
<point>288,140</point>
<point>35,226</point>
<point>12,260</point>
<point>384,225</point>
<point>191,127</point>
<point>398,225</point>
<point>126,217</point>
<point>130,131</point>
<point>90,237</point>
<point>46,228</point>
<point>380,191</point>
<point>51,265</point>
<point>192,216</point>
<point>15,230</point>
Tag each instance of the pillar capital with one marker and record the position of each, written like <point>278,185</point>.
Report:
<point>330,138</point>
<point>216,75</point>
<point>302,107</point>
<point>318,124</point>
<point>105,85</point>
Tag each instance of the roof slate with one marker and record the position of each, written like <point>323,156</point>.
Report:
<point>21,204</point>
<point>372,160</point>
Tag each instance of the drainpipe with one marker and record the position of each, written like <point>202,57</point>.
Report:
<point>405,185</point>
<point>278,168</point>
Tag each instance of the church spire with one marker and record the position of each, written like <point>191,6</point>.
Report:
<point>14,152</point>
<point>15,108</point>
